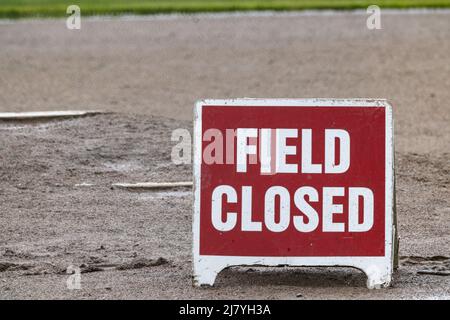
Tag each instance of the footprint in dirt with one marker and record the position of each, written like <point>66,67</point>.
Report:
<point>435,265</point>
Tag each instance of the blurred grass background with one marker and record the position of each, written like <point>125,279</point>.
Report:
<point>57,8</point>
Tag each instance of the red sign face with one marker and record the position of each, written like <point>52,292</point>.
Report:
<point>292,181</point>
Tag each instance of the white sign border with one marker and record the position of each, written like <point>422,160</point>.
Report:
<point>378,269</point>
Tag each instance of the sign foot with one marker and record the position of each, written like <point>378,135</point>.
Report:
<point>206,275</point>
<point>376,279</point>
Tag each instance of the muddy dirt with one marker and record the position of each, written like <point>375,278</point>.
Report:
<point>59,210</point>
<point>57,205</point>
<point>162,66</point>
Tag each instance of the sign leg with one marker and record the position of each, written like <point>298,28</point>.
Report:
<point>377,277</point>
<point>205,273</point>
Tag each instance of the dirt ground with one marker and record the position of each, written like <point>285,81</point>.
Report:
<point>57,207</point>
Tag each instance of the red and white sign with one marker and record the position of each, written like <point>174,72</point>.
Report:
<point>293,182</point>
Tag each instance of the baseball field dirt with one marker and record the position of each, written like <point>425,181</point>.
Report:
<point>57,206</point>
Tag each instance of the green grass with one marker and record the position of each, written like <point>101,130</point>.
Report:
<point>57,8</point>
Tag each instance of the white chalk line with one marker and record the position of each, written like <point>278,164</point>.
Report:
<point>158,189</point>
<point>152,189</point>
<point>47,114</point>
<point>84,184</point>
<point>153,185</point>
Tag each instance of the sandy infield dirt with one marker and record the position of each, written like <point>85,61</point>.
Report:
<point>138,244</point>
